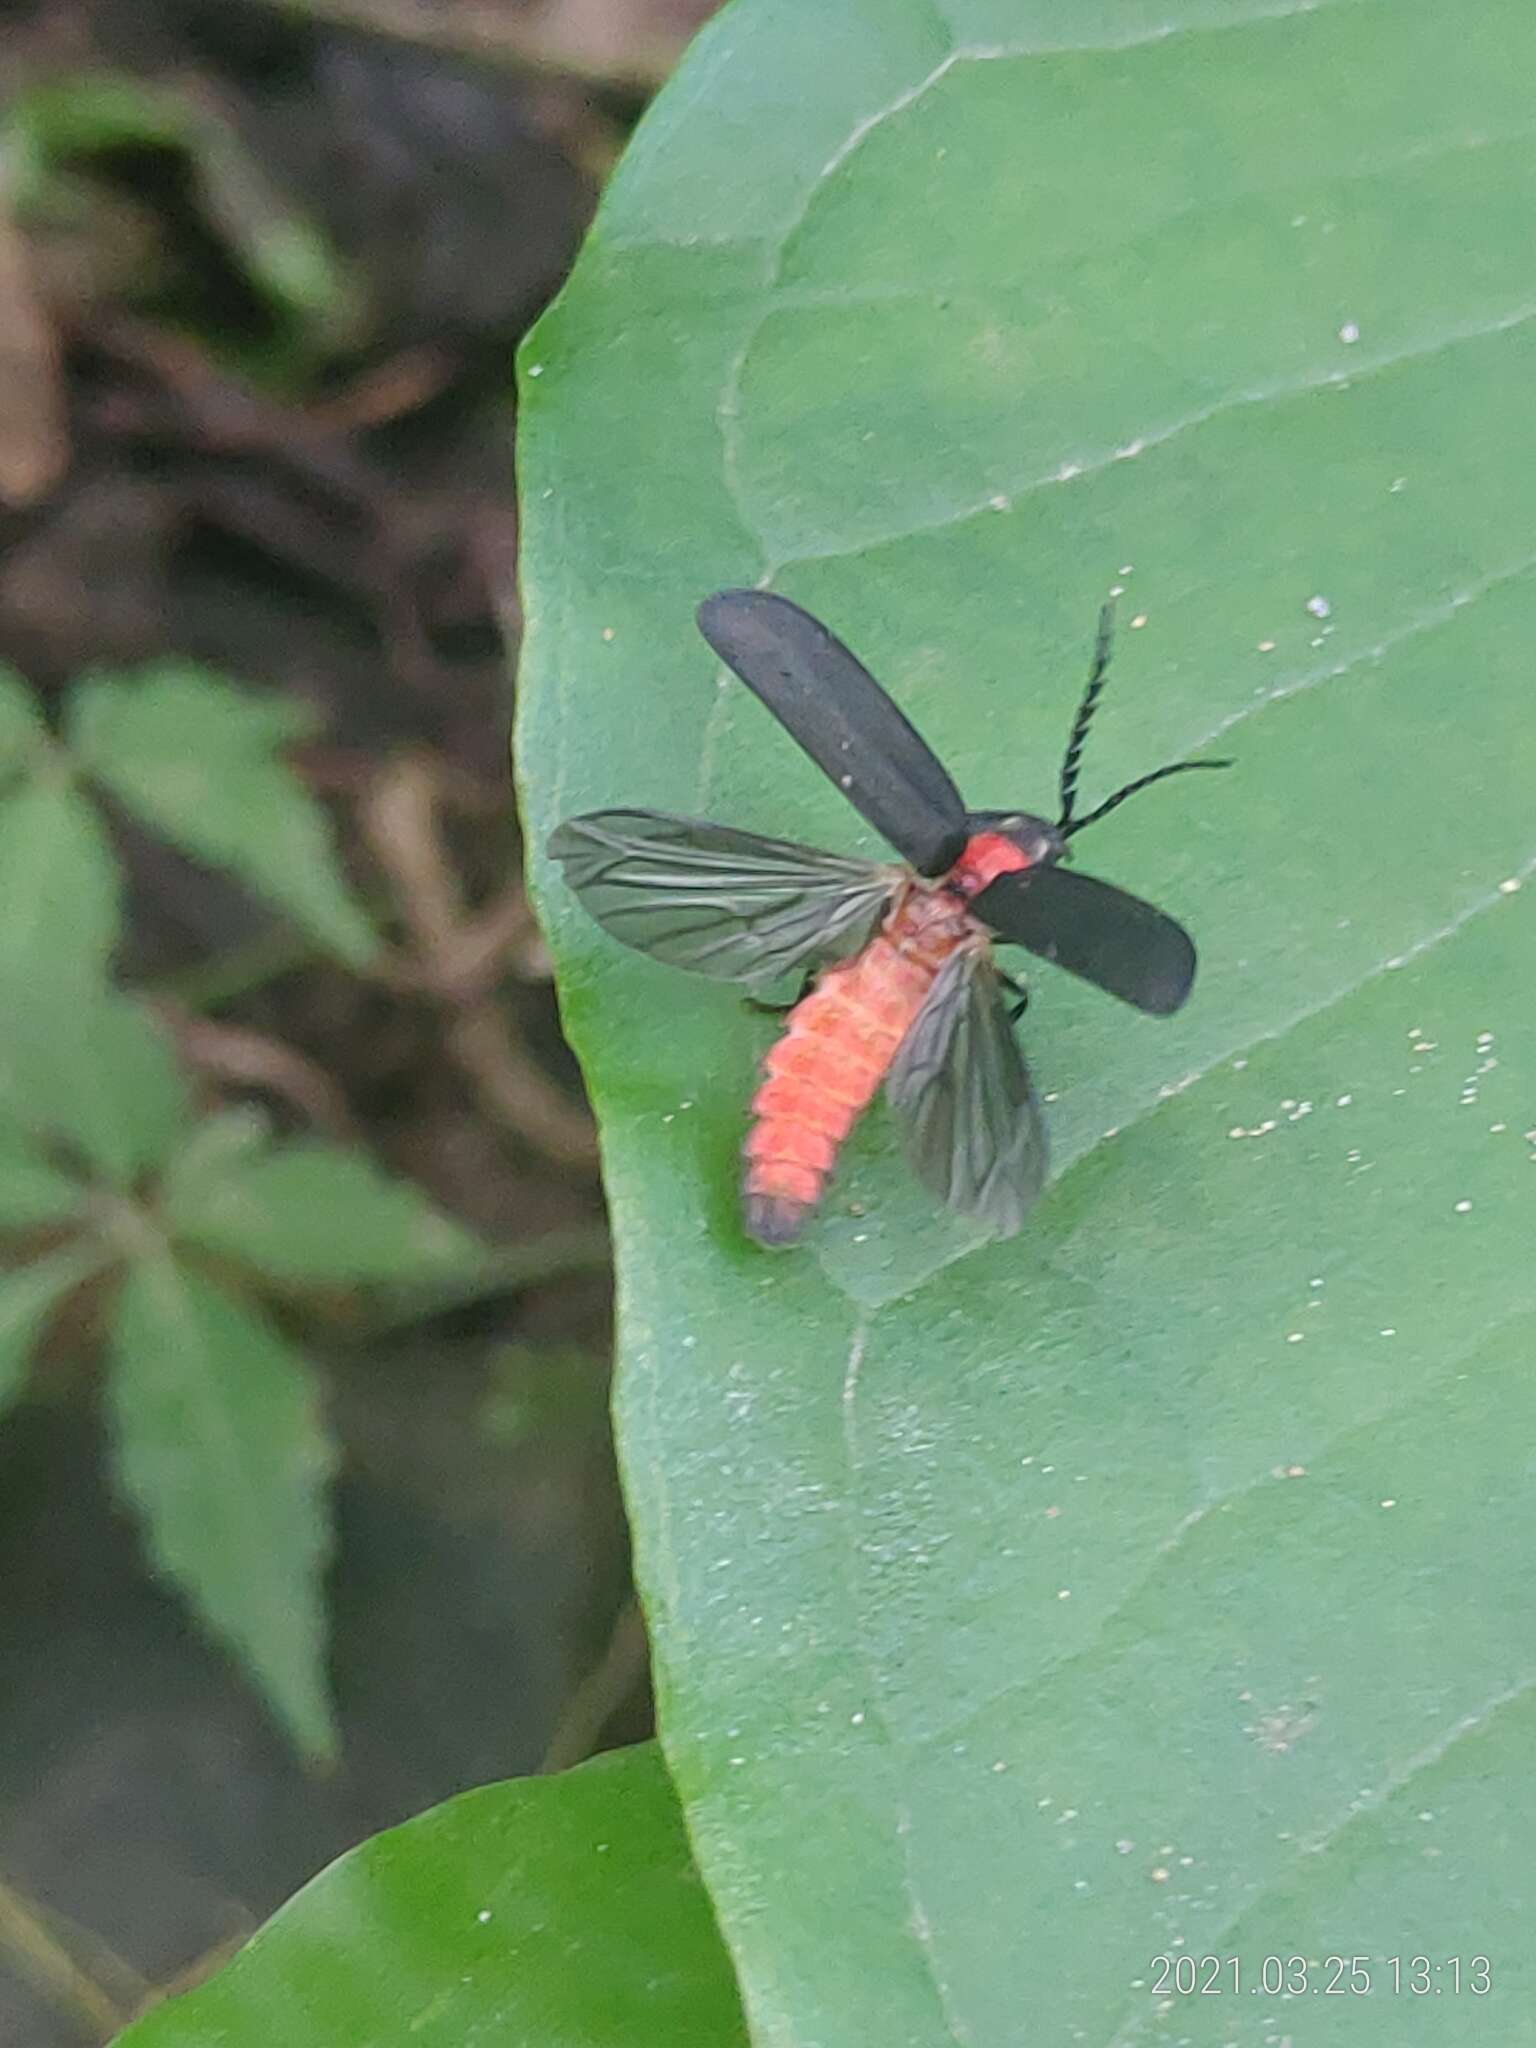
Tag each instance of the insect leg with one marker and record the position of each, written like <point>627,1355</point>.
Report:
<point>1019,991</point>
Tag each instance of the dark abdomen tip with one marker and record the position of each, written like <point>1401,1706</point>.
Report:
<point>773,1220</point>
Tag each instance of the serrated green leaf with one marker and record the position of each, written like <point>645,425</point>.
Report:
<point>312,1212</point>
<point>28,1296</point>
<point>94,1069</point>
<point>59,902</point>
<point>221,1449</point>
<point>22,732</point>
<point>77,1060</point>
<point>196,758</point>
<point>561,1909</point>
<point>1156,1581</point>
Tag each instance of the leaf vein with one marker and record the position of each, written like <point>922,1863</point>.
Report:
<point>1074,470</point>
<point>1169,1546</point>
<point>1164,32</point>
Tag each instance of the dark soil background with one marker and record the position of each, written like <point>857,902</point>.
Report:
<point>314,496</point>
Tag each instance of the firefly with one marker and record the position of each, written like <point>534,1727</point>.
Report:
<point>900,983</point>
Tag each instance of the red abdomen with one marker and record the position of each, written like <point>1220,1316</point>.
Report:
<point>836,1050</point>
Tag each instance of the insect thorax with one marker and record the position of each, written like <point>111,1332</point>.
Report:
<point>1005,844</point>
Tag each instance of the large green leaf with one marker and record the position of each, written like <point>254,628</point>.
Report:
<point>1158,1581</point>
<point>546,1911</point>
<point>220,1447</point>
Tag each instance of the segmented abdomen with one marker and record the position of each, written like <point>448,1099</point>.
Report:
<point>836,1050</point>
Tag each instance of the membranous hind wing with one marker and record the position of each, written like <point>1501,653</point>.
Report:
<point>961,1091</point>
<point>829,703</point>
<point>1126,947</point>
<point>727,904</point>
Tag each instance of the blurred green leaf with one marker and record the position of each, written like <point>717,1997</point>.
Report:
<point>289,260</point>
<point>197,758</point>
<point>86,114</point>
<point>216,1146</point>
<point>90,1066</point>
<point>550,1910</point>
<point>28,1296</point>
<point>69,120</point>
<point>1158,1579</point>
<point>543,1393</point>
<point>31,1190</point>
<point>77,1060</point>
<point>311,1212</point>
<point>501,1269</point>
<point>221,1448</point>
<point>59,903</point>
<point>22,733</point>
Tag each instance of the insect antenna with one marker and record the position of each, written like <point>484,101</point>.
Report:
<point>1142,782</point>
<point>1085,710</point>
<point>1067,824</point>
